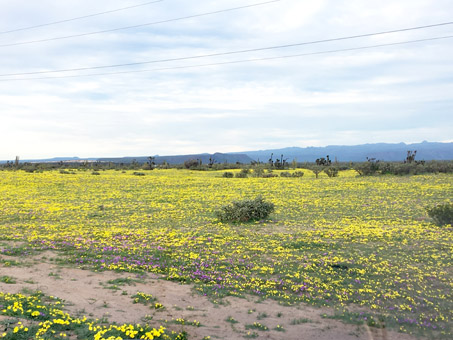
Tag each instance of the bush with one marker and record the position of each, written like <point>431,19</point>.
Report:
<point>442,214</point>
<point>331,172</point>
<point>241,174</point>
<point>298,174</point>
<point>367,168</point>
<point>269,174</point>
<point>258,171</point>
<point>285,174</point>
<point>246,210</point>
<point>192,163</point>
<point>136,173</point>
<point>228,174</point>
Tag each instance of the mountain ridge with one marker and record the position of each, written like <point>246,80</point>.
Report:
<point>343,153</point>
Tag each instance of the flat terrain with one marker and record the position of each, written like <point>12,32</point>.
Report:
<point>342,258</point>
<point>88,293</point>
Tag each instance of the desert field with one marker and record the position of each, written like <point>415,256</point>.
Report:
<point>120,256</point>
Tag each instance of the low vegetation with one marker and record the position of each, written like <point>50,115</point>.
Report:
<point>442,214</point>
<point>364,245</point>
<point>247,210</point>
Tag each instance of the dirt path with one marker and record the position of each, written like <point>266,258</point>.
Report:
<point>89,293</point>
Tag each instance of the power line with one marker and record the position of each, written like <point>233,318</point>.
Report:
<point>228,53</point>
<point>79,18</point>
<point>238,61</point>
<point>137,26</point>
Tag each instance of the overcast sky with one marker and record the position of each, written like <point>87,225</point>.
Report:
<point>400,93</point>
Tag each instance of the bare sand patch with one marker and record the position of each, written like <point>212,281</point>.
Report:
<point>88,293</point>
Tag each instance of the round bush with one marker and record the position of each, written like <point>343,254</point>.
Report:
<point>442,214</point>
<point>241,175</point>
<point>246,210</point>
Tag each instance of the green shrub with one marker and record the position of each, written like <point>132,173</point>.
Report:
<point>442,214</point>
<point>258,171</point>
<point>331,172</point>
<point>269,174</point>
<point>136,173</point>
<point>241,174</point>
<point>298,174</point>
<point>228,174</point>
<point>285,174</point>
<point>367,168</point>
<point>246,210</point>
<point>192,163</point>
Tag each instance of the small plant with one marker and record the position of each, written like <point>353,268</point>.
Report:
<point>246,210</point>
<point>9,263</point>
<point>299,321</point>
<point>262,315</point>
<point>182,336</point>
<point>279,328</point>
<point>442,214</point>
<point>158,306</point>
<point>251,335</point>
<point>123,281</point>
<point>7,279</point>
<point>182,321</point>
<point>143,298</point>
<point>95,173</point>
<point>228,174</point>
<point>231,320</point>
<point>258,326</point>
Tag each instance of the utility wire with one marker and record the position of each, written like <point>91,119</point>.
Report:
<point>79,18</point>
<point>226,53</point>
<point>137,26</point>
<point>238,61</point>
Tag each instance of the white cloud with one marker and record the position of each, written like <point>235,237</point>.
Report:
<point>343,98</point>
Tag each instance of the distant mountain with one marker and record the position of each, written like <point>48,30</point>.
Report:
<point>358,153</point>
<point>53,160</point>
<point>180,159</point>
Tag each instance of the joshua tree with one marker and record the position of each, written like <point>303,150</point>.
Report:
<point>410,156</point>
<point>324,161</point>
<point>151,163</point>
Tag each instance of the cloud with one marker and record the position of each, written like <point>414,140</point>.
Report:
<point>391,94</point>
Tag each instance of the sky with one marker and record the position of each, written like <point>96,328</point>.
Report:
<point>303,95</point>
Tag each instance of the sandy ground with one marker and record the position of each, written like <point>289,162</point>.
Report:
<point>88,293</point>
